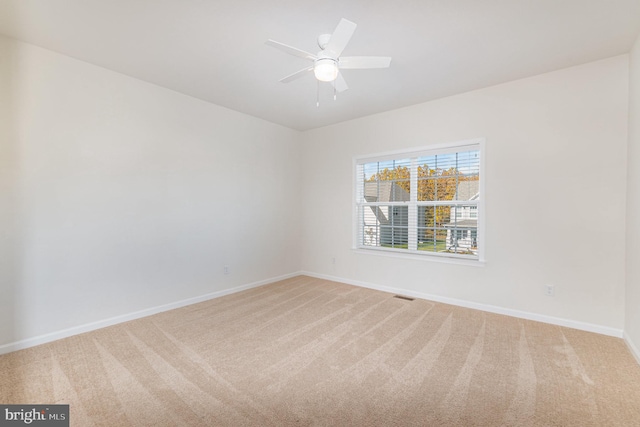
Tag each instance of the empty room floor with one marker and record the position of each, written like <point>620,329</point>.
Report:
<point>306,351</point>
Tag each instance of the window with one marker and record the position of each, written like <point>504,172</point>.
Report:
<point>424,202</point>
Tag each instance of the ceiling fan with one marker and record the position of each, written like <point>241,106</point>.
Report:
<point>327,63</point>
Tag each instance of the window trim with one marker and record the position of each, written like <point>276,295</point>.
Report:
<point>441,148</point>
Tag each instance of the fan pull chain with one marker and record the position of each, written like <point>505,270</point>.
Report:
<point>318,94</point>
<point>335,96</point>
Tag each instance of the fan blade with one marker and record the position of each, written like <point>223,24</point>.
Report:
<point>291,50</point>
<point>340,38</point>
<point>340,83</point>
<point>364,62</point>
<point>296,75</point>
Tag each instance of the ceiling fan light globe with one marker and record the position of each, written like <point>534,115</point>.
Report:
<point>326,70</point>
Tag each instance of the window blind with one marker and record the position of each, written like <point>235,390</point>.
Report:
<point>424,202</point>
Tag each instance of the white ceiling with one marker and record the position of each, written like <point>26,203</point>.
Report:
<point>214,49</point>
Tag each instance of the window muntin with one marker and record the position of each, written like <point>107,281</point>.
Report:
<point>425,202</point>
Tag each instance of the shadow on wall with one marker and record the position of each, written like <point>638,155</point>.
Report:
<point>11,202</point>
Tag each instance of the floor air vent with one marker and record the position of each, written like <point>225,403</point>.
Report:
<point>403,297</point>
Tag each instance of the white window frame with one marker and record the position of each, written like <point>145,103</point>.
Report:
<point>414,153</point>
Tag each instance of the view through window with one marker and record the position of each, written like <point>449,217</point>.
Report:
<point>426,202</point>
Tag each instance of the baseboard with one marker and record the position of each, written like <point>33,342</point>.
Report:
<point>632,347</point>
<point>53,336</point>
<point>604,330</point>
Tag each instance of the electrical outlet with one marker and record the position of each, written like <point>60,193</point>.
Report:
<point>226,269</point>
<point>549,290</point>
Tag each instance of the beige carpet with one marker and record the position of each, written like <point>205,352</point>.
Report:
<point>306,352</point>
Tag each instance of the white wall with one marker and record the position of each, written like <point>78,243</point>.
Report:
<point>632,312</point>
<point>119,196</point>
<point>9,208</point>
<point>555,194</point>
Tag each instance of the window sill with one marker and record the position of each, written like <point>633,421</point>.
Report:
<point>419,256</point>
